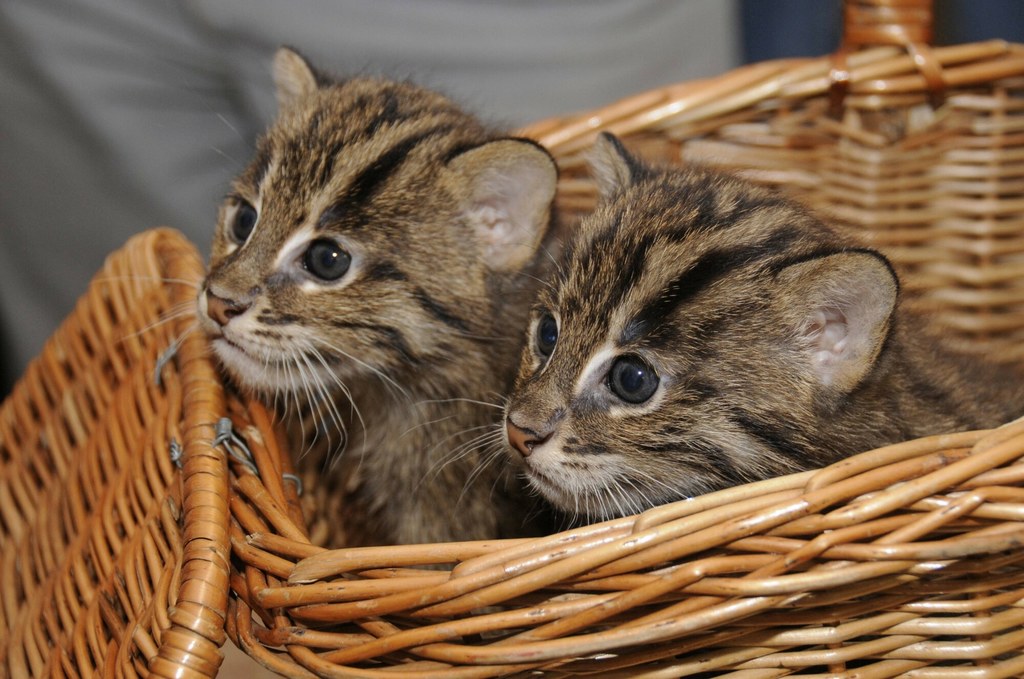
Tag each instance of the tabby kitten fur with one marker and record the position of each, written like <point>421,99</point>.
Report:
<point>370,274</point>
<point>703,332</point>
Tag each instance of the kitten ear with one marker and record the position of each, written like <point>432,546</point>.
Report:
<point>506,188</point>
<point>842,306</point>
<point>613,167</point>
<point>293,76</point>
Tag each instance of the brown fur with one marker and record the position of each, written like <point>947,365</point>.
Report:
<point>778,346</point>
<point>395,361</point>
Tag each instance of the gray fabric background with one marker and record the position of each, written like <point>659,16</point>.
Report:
<point>120,115</point>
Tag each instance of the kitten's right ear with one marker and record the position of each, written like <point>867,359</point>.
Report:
<point>840,307</point>
<point>293,76</point>
<point>613,167</point>
<point>505,189</point>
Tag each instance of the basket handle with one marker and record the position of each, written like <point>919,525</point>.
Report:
<point>872,23</point>
<point>869,23</point>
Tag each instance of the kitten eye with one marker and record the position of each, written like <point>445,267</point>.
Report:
<point>326,260</point>
<point>547,335</point>
<point>632,380</point>
<point>243,222</point>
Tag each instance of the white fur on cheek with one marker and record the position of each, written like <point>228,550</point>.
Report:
<point>593,372</point>
<point>292,247</point>
<point>583,486</point>
<point>266,364</point>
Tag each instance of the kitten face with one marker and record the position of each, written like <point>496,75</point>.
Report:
<point>696,326</point>
<point>360,242</point>
<point>309,277</point>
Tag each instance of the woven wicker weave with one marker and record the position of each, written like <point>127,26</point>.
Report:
<point>111,559</point>
<point>906,561</point>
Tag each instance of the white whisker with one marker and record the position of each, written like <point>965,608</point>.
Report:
<point>462,451</point>
<point>341,385</point>
<point>425,424</point>
<point>173,313</point>
<point>226,155</point>
<point>671,491</point>
<point>195,285</point>
<point>383,377</point>
<point>488,458</point>
<point>464,400</point>
<point>320,401</point>
<point>227,123</point>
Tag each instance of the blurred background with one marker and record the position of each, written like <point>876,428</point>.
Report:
<point>120,115</point>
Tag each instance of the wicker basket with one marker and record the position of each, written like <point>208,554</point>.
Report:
<point>905,561</point>
<point>111,558</point>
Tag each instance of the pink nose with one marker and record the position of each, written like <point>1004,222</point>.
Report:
<point>223,310</point>
<point>522,439</point>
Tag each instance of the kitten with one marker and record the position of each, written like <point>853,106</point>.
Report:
<point>703,332</point>
<point>373,266</point>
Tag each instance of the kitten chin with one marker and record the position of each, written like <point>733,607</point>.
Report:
<point>259,366</point>
<point>271,374</point>
<point>594,491</point>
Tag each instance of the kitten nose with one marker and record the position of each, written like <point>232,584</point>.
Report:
<point>524,440</point>
<point>223,310</point>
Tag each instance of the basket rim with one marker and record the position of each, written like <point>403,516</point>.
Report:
<point>875,77</point>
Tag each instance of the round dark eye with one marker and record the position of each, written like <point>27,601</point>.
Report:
<point>547,335</point>
<point>632,380</point>
<point>326,260</point>
<point>243,222</point>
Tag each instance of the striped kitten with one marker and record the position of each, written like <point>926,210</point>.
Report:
<point>703,332</point>
<point>372,266</point>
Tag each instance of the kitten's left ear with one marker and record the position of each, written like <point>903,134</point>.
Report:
<point>614,168</point>
<point>293,76</point>
<point>840,306</point>
<point>506,188</point>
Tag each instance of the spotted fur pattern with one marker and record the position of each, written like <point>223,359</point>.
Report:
<point>768,342</point>
<point>370,275</point>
